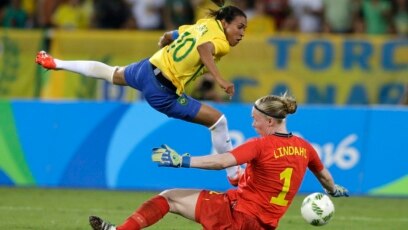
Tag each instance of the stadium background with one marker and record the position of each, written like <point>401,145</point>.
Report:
<point>58,129</point>
<point>71,147</point>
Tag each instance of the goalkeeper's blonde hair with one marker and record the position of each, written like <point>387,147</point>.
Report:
<point>275,106</point>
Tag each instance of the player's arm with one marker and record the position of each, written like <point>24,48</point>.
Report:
<point>167,38</point>
<point>206,52</point>
<point>215,161</point>
<point>165,156</point>
<point>326,180</point>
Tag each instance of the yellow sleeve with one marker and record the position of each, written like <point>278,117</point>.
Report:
<point>183,28</point>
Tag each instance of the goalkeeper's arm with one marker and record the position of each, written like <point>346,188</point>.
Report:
<point>326,180</point>
<point>167,157</point>
<point>215,161</point>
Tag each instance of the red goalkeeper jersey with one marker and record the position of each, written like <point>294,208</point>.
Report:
<point>275,169</point>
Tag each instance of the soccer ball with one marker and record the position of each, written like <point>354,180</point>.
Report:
<point>317,209</point>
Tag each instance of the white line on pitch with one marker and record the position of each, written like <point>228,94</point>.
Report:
<point>27,208</point>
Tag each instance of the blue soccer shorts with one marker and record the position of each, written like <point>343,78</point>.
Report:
<point>140,76</point>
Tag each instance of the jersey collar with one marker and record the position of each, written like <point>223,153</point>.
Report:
<point>287,135</point>
<point>219,25</point>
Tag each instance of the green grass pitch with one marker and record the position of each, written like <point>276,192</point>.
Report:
<point>46,209</point>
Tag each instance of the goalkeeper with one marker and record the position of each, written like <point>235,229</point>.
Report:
<point>276,165</point>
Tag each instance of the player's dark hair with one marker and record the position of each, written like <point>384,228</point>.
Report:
<point>228,13</point>
<point>219,3</point>
<point>276,106</point>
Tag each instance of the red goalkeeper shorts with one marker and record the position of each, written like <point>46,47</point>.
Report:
<point>215,211</point>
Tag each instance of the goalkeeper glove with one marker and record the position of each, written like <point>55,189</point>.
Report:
<point>338,191</point>
<point>167,157</point>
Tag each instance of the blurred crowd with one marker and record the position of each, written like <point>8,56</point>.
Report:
<point>264,16</point>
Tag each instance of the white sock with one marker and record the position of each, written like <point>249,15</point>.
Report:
<point>222,143</point>
<point>92,69</point>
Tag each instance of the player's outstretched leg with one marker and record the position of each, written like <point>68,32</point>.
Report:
<point>45,60</point>
<point>99,224</point>
<point>222,143</point>
<point>92,69</point>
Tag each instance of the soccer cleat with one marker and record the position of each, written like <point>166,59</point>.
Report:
<point>234,181</point>
<point>99,224</point>
<point>45,60</point>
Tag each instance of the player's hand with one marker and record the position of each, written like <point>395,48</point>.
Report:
<point>167,157</point>
<point>339,191</point>
<point>228,87</point>
<point>167,38</point>
<point>162,42</point>
<point>230,90</point>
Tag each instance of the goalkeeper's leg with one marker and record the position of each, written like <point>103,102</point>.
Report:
<point>178,201</point>
<point>147,214</point>
<point>222,143</point>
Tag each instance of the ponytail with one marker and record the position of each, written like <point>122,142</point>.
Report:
<point>227,13</point>
<point>219,3</point>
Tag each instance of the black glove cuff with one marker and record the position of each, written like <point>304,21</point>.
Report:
<point>185,163</point>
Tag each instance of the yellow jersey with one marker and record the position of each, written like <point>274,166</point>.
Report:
<point>180,60</point>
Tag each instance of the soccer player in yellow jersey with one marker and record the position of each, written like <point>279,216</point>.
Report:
<point>185,54</point>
